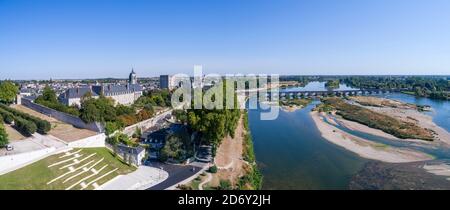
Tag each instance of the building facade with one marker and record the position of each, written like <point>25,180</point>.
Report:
<point>125,94</point>
<point>165,82</point>
<point>132,155</point>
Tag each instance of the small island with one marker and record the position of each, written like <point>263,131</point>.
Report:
<point>386,118</point>
<point>332,84</point>
<point>295,104</point>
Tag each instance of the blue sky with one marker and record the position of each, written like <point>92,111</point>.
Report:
<point>41,39</point>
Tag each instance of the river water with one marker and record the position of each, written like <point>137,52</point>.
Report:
<point>292,154</point>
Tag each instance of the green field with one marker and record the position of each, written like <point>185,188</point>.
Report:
<point>37,175</point>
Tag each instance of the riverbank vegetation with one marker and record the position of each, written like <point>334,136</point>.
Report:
<point>253,178</point>
<point>388,124</point>
<point>298,102</point>
<point>381,102</point>
<point>437,87</point>
<point>212,124</point>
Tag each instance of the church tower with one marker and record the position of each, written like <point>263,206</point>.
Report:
<point>132,78</point>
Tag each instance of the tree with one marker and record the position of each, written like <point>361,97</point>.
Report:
<point>49,95</point>
<point>8,91</point>
<point>213,169</point>
<point>111,127</point>
<point>224,185</point>
<point>137,133</point>
<point>50,100</point>
<point>172,149</point>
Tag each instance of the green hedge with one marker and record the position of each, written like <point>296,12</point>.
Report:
<point>27,127</point>
<point>42,126</point>
<point>7,117</point>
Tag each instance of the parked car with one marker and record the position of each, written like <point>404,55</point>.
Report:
<point>9,147</point>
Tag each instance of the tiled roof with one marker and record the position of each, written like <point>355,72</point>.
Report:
<point>78,92</point>
<point>109,89</point>
<point>96,90</point>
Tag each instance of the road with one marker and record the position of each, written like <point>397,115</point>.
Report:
<point>177,173</point>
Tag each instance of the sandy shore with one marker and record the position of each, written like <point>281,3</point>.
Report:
<point>403,111</point>
<point>363,147</point>
<point>418,118</point>
<point>438,169</point>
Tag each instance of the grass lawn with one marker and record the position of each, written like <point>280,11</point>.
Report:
<point>37,175</point>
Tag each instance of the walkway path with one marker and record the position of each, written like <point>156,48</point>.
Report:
<point>208,179</point>
<point>143,178</point>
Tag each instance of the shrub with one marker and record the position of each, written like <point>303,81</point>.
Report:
<point>27,127</point>
<point>224,185</point>
<point>213,169</point>
<point>3,135</point>
<point>42,126</point>
<point>7,117</point>
<point>111,127</point>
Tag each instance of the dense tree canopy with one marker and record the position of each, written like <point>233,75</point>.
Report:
<point>424,86</point>
<point>98,110</point>
<point>154,98</point>
<point>213,124</point>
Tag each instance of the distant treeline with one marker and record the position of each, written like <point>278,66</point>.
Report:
<point>437,87</point>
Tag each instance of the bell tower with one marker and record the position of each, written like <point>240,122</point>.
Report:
<point>132,79</point>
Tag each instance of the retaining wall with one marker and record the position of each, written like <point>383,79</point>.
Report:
<point>61,116</point>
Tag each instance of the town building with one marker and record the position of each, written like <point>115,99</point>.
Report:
<point>125,94</point>
<point>132,155</point>
<point>166,82</point>
<point>172,82</point>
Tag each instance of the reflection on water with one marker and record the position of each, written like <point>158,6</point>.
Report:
<point>317,86</point>
<point>293,155</point>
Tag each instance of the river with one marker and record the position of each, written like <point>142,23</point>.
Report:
<point>292,154</point>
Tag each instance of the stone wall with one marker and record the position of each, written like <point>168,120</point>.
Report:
<point>146,124</point>
<point>64,117</point>
<point>89,142</point>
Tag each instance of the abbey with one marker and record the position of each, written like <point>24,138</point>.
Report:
<point>124,94</point>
